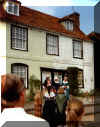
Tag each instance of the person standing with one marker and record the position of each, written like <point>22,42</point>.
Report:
<point>65,85</point>
<point>56,83</point>
<point>50,108</point>
<point>38,104</point>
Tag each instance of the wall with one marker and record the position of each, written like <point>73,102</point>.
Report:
<point>36,56</point>
<point>2,47</point>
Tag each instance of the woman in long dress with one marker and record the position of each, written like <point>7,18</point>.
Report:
<point>50,109</point>
<point>65,85</point>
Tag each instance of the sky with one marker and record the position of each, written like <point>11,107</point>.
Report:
<point>86,14</point>
<point>61,8</point>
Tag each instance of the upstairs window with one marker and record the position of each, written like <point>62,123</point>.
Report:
<point>77,49</point>
<point>12,8</point>
<point>69,25</point>
<point>52,44</point>
<point>19,37</point>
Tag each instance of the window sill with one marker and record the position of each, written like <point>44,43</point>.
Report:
<point>78,58</point>
<point>26,50</point>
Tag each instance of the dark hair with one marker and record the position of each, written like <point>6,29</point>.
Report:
<point>66,75</point>
<point>11,87</point>
<point>45,83</point>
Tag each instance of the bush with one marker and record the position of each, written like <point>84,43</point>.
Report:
<point>73,81</point>
<point>34,86</point>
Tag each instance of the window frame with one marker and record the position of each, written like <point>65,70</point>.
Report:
<point>52,71</point>
<point>68,24</point>
<point>21,64</point>
<point>12,25</point>
<point>13,5</point>
<point>82,78</point>
<point>47,44</point>
<point>81,42</point>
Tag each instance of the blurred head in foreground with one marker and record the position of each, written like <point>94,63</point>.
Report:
<point>74,112</point>
<point>12,91</point>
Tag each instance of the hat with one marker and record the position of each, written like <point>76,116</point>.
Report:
<point>55,77</point>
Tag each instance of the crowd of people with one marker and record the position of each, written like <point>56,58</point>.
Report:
<point>13,100</point>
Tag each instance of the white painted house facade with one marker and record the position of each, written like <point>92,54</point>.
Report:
<point>34,43</point>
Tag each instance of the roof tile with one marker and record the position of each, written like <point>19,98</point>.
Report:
<point>43,21</point>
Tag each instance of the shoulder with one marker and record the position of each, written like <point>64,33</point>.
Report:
<point>33,118</point>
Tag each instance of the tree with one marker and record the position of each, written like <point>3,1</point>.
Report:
<point>73,80</point>
<point>34,85</point>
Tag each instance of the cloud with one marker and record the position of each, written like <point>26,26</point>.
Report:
<point>46,2</point>
<point>59,2</point>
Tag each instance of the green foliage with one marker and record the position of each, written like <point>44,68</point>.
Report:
<point>34,86</point>
<point>73,81</point>
<point>92,92</point>
<point>97,92</point>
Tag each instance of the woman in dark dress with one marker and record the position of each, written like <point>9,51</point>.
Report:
<point>50,109</point>
<point>65,85</point>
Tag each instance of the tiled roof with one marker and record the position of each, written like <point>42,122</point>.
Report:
<point>94,35</point>
<point>42,21</point>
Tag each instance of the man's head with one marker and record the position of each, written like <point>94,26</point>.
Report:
<point>12,90</point>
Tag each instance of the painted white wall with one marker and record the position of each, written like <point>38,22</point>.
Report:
<point>2,48</point>
<point>36,56</point>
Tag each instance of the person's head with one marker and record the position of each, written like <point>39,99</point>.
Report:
<point>12,90</point>
<point>74,111</point>
<point>48,81</point>
<point>65,77</point>
<point>56,79</point>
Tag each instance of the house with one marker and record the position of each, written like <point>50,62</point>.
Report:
<point>96,39</point>
<point>34,43</point>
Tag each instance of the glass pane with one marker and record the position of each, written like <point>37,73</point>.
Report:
<point>21,71</point>
<point>80,78</point>
<point>10,7</point>
<point>59,76</point>
<point>52,44</point>
<point>45,74</point>
<point>15,9</point>
<point>77,49</point>
<point>20,36</point>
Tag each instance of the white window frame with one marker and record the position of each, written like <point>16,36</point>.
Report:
<point>80,78</point>
<point>12,5</point>
<point>19,70</point>
<point>19,38</point>
<point>77,49</point>
<point>52,44</point>
<point>69,25</point>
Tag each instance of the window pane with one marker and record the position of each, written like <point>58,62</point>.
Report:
<point>59,76</point>
<point>52,44</point>
<point>15,9</point>
<point>21,71</point>
<point>10,7</point>
<point>80,78</point>
<point>45,74</point>
<point>77,46</point>
<point>19,38</point>
<point>69,25</point>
